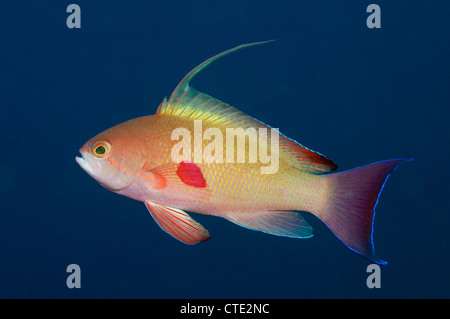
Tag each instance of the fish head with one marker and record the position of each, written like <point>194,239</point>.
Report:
<point>112,157</point>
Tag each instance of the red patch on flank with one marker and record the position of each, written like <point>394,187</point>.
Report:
<point>191,174</point>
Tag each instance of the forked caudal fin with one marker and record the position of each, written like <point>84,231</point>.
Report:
<point>350,208</point>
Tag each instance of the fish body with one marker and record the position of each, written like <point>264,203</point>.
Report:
<point>154,160</point>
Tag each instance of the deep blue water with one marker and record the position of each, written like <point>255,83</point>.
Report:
<point>355,94</point>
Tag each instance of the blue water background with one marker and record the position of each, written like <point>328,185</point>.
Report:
<point>355,94</point>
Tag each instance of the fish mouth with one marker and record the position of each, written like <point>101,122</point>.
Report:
<point>84,164</point>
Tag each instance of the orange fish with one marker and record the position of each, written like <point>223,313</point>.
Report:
<point>153,159</point>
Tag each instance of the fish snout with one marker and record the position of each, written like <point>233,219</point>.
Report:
<point>83,161</point>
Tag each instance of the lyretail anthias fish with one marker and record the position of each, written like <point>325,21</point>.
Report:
<point>201,155</point>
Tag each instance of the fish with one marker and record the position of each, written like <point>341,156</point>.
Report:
<point>151,160</point>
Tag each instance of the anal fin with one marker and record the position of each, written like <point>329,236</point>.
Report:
<point>280,223</point>
<point>177,223</point>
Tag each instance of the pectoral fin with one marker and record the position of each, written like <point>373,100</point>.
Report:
<point>177,223</point>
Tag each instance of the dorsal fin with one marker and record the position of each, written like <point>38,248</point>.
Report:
<point>187,102</point>
<point>184,84</point>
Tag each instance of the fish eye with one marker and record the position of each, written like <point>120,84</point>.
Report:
<point>101,149</point>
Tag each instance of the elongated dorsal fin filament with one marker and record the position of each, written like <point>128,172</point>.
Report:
<point>184,84</point>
